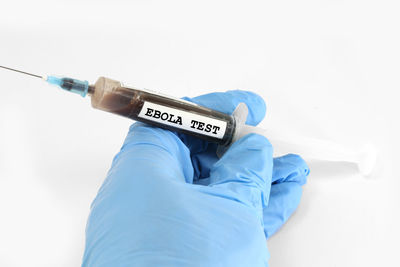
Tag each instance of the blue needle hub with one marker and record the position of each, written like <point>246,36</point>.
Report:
<point>71,85</point>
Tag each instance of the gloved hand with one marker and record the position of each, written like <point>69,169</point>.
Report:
<point>169,201</point>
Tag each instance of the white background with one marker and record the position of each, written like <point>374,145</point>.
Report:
<point>327,69</point>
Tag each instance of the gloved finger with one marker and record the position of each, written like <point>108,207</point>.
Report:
<point>226,102</point>
<point>202,152</point>
<point>283,201</point>
<point>244,172</point>
<point>290,168</point>
<point>156,150</point>
<point>289,174</point>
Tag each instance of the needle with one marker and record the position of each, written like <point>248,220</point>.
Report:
<point>69,84</point>
<point>34,75</point>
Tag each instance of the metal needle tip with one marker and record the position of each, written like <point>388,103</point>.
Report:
<point>27,73</point>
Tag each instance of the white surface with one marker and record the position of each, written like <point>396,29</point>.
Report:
<point>327,69</point>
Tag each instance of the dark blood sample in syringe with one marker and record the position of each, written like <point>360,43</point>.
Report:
<point>162,111</point>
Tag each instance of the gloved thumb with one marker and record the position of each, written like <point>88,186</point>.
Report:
<point>243,174</point>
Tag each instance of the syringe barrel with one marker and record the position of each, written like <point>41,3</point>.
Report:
<point>162,111</point>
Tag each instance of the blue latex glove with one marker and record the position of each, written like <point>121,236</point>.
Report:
<point>169,201</point>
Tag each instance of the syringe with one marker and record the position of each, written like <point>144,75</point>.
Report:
<point>183,116</point>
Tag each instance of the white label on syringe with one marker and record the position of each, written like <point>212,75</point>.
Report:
<point>183,120</point>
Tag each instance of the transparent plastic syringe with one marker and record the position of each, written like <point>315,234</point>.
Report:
<point>182,116</point>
